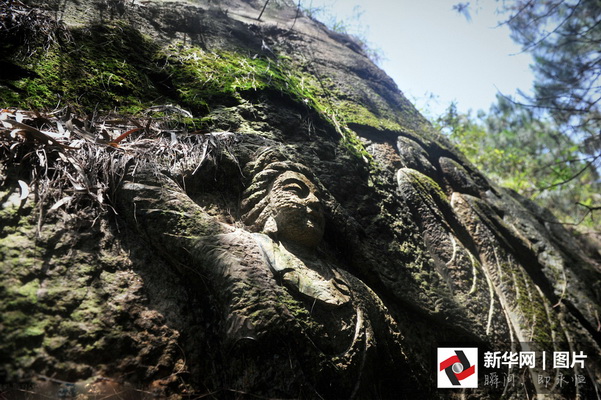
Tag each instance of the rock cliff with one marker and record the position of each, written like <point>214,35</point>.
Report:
<point>198,202</point>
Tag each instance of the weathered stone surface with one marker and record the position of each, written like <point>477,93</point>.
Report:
<point>459,179</point>
<point>280,222</point>
<point>415,157</point>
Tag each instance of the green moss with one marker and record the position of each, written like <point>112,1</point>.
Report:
<point>102,67</point>
<point>531,305</point>
<point>355,113</point>
<point>14,219</point>
<point>29,290</point>
<point>196,124</point>
<point>33,331</point>
<point>298,311</point>
<point>54,343</point>
<point>22,327</point>
<point>88,310</point>
<point>202,78</point>
<point>427,187</point>
<point>71,329</point>
<point>16,251</point>
<point>115,67</point>
<point>14,319</point>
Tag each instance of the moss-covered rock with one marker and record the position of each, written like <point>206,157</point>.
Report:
<point>132,266</point>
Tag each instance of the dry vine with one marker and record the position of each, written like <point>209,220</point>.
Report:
<point>29,29</point>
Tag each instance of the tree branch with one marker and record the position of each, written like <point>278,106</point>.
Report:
<point>576,175</point>
<point>534,44</point>
<point>263,10</point>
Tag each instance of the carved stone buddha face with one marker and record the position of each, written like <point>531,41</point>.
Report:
<point>296,209</point>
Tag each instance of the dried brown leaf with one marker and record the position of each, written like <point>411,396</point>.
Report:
<point>24,190</point>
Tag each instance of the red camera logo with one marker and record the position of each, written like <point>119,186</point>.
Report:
<point>457,367</point>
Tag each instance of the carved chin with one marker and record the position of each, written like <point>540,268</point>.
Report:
<point>296,227</point>
<point>308,233</point>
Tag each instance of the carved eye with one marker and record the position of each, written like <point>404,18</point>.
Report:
<point>294,188</point>
<point>297,188</point>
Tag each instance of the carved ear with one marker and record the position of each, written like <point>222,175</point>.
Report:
<point>270,228</point>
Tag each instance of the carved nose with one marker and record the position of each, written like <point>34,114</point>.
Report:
<point>312,200</point>
<point>314,204</point>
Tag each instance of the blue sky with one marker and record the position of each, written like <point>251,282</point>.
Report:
<point>431,49</point>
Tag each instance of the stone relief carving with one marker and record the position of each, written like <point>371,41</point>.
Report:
<point>273,274</point>
<point>196,289</point>
<point>283,203</point>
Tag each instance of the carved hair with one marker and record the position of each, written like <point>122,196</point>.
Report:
<point>270,164</point>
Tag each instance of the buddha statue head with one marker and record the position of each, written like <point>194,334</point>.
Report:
<point>283,201</point>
